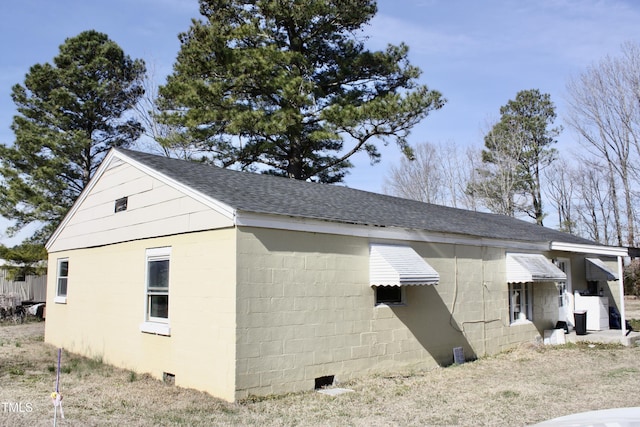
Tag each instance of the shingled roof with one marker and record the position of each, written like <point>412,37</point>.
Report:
<point>266,194</point>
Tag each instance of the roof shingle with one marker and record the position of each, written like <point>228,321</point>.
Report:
<point>257,193</point>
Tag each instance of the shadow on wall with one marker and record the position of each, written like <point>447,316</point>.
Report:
<point>429,320</point>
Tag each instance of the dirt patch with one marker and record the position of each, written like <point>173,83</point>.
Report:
<point>521,387</point>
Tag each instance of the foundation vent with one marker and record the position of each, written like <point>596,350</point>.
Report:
<point>325,381</point>
<point>169,379</point>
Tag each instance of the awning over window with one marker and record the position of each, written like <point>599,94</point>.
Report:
<point>524,268</point>
<point>396,265</point>
<point>597,270</point>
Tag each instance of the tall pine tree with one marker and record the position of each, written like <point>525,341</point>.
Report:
<point>69,114</point>
<point>288,87</point>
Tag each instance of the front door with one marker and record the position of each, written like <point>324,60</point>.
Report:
<point>565,296</point>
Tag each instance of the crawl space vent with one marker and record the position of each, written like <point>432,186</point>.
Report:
<point>325,381</point>
<point>168,378</point>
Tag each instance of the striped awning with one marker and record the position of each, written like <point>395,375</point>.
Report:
<point>598,270</point>
<point>525,268</point>
<point>399,265</point>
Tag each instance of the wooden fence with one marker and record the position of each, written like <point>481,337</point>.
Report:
<point>31,289</point>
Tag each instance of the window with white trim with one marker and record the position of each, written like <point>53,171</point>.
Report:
<point>158,284</point>
<point>62,279</point>
<point>520,302</point>
<point>157,278</point>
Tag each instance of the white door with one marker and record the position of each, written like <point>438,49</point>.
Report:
<point>565,294</point>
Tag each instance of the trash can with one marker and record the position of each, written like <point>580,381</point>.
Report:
<point>580,318</point>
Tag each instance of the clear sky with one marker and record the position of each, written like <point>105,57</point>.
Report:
<point>479,54</point>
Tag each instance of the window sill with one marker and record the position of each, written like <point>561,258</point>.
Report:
<point>390,305</point>
<point>155,328</point>
<point>60,300</point>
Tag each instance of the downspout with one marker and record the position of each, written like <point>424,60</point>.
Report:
<point>623,321</point>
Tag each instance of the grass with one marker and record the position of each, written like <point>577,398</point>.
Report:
<point>526,385</point>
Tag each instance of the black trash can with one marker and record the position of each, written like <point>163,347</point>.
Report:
<point>580,318</point>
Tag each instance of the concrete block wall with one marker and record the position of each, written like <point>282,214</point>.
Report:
<point>305,309</point>
<point>106,297</point>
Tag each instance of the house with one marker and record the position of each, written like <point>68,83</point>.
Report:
<point>243,284</point>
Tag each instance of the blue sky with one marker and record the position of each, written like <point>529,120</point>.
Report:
<point>479,54</point>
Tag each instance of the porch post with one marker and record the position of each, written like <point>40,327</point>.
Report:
<point>623,322</point>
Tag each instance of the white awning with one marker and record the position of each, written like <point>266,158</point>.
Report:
<point>396,265</point>
<point>597,270</point>
<point>524,268</point>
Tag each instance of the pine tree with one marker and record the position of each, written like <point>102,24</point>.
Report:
<point>69,114</point>
<point>288,87</point>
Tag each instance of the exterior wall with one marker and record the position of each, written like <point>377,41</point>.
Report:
<point>612,288</point>
<point>306,310</point>
<point>154,208</point>
<point>258,311</point>
<point>106,305</point>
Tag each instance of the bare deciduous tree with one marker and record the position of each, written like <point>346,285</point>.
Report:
<point>159,137</point>
<point>604,109</point>
<point>419,179</point>
<point>438,174</point>
<point>459,169</point>
<point>560,191</point>
<point>594,203</point>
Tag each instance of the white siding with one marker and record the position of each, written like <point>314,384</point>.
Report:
<point>154,208</point>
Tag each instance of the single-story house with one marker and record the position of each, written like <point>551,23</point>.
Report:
<point>244,284</point>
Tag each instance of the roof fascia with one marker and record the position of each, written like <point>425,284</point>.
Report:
<point>251,219</point>
<point>589,249</point>
<point>214,204</point>
<point>83,195</point>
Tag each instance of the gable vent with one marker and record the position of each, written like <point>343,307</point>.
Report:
<point>121,204</point>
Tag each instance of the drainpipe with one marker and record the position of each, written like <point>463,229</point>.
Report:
<point>623,322</point>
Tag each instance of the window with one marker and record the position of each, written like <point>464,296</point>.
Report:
<point>520,302</point>
<point>389,295</point>
<point>157,291</point>
<point>62,278</point>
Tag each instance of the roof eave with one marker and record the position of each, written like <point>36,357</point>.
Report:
<point>589,249</point>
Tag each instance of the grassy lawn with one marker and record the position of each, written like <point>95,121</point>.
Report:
<point>520,387</point>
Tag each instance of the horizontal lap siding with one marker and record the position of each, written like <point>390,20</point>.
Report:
<point>153,209</point>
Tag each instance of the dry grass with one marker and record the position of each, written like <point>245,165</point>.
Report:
<point>517,388</point>
<point>632,307</point>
